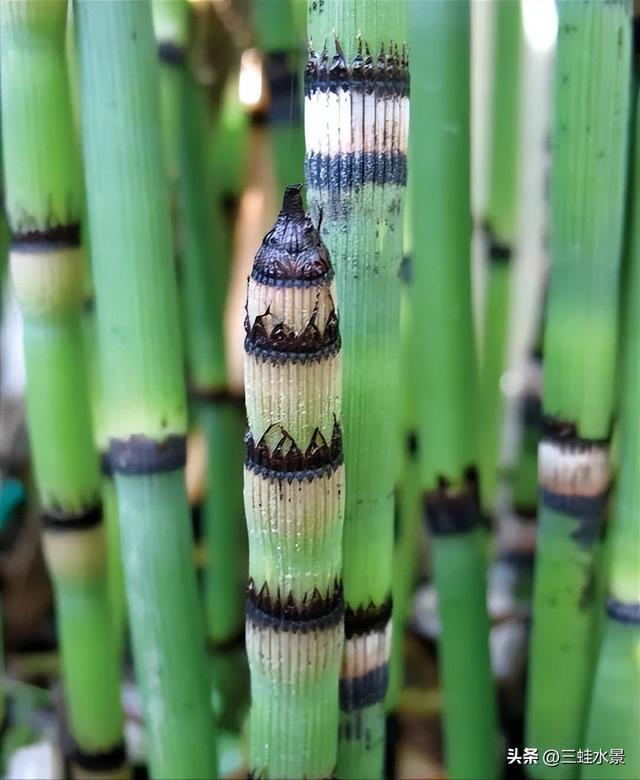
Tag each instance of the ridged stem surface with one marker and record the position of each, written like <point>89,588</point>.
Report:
<point>614,713</point>
<point>447,376</point>
<point>294,498</point>
<point>587,197</point>
<point>145,409</point>
<point>356,129</point>
<point>44,207</point>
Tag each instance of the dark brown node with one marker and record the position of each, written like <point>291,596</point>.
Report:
<point>97,763</point>
<point>292,253</point>
<point>60,520</point>
<point>387,75</point>
<point>287,461</point>
<point>141,455</point>
<point>628,614</point>
<point>216,396</point>
<point>453,509</point>
<point>57,237</point>
<point>170,53</point>
<point>367,619</point>
<point>365,690</point>
<point>317,611</point>
<point>565,432</point>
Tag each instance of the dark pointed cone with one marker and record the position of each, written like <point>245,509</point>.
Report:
<point>293,250</point>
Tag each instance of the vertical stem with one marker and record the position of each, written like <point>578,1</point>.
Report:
<point>44,207</point>
<point>144,388</point>
<point>589,140</point>
<point>356,127</point>
<point>278,36</point>
<point>447,376</point>
<point>501,225</point>
<point>614,719</point>
<point>294,498</point>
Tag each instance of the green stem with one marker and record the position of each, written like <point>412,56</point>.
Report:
<point>614,719</point>
<point>356,177</point>
<point>138,335</point>
<point>44,206</point>
<point>586,212</point>
<point>294,488</point>
<point>501,226</point>
<point>447,375</point>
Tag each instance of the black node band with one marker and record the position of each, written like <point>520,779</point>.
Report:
<point>55,237</point>
<point>58,520</point>
<point>141,455</point>
<point>229,645</point>
<point>97,763</point>
<point>565,433</point>
<point>580,507</point>
<point>367,620</point>
<point>364,691</point>
<point>297,624</point>
<point>448,512</point>
<point>349,169</point>
<point>622,612</point>
<point>170,53</point>
<point>216,396</point>
<point>105,465</point>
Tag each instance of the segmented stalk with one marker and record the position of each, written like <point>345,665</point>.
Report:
<point>447,377</point>
<point>586,214</point>
<point>282,48</point>
<point>44,207</point>
<point>204,257</point>
<point>501,225</point>
<point>294,498</point>
<point>139,342</point>
<point>614,720</point>
<point>356,126</point>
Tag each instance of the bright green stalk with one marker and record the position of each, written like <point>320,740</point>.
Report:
<point>139,340</point>
<point>171,25</point>
<point>205,270</point>
<point>44,206</point>
<point>278,36</point>
<point>356,177</point>
<point>409,506</point>
<point>586,217</point>
<point>229,152</point>
<point>446,367</point>
<point>614,720</point>
<point>501,225</point>
<point>294,499</point>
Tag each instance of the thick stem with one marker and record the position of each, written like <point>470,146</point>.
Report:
<point>139,343</point>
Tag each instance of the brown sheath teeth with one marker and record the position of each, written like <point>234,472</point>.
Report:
<point>59,520</point>
<point>452,510</point>
<point>315,611</point>
<point>141,455</point>
<point>277,342</point>
<point>286,459</point>
<point>366,620</point>
<point>386,74</point>
<point>33,239</point>
<point>292,254</point>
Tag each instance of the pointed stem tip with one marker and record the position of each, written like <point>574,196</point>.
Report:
<point>292,201</point>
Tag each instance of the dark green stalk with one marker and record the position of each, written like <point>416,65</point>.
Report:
<point>408,499</point>
<point>447,375</point>
<point>614,719</point>
<point>587,199</point>
<point>282,47</point>
<point>138,335</point>
<point>294,499</point>
<point>44,208</point>
<point>205,255</point>
<point>356,125</point>
<point>501,225</point>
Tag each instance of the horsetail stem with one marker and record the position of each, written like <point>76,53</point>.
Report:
<point>278,37</point>
<point>144,387</point>
<point>446,365</point>
<point>356,125</point>
<point>293,500</point>
<point>501,225</point>
<point>614,718</point>
<point>586,212</point>
<point>44,205</point>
